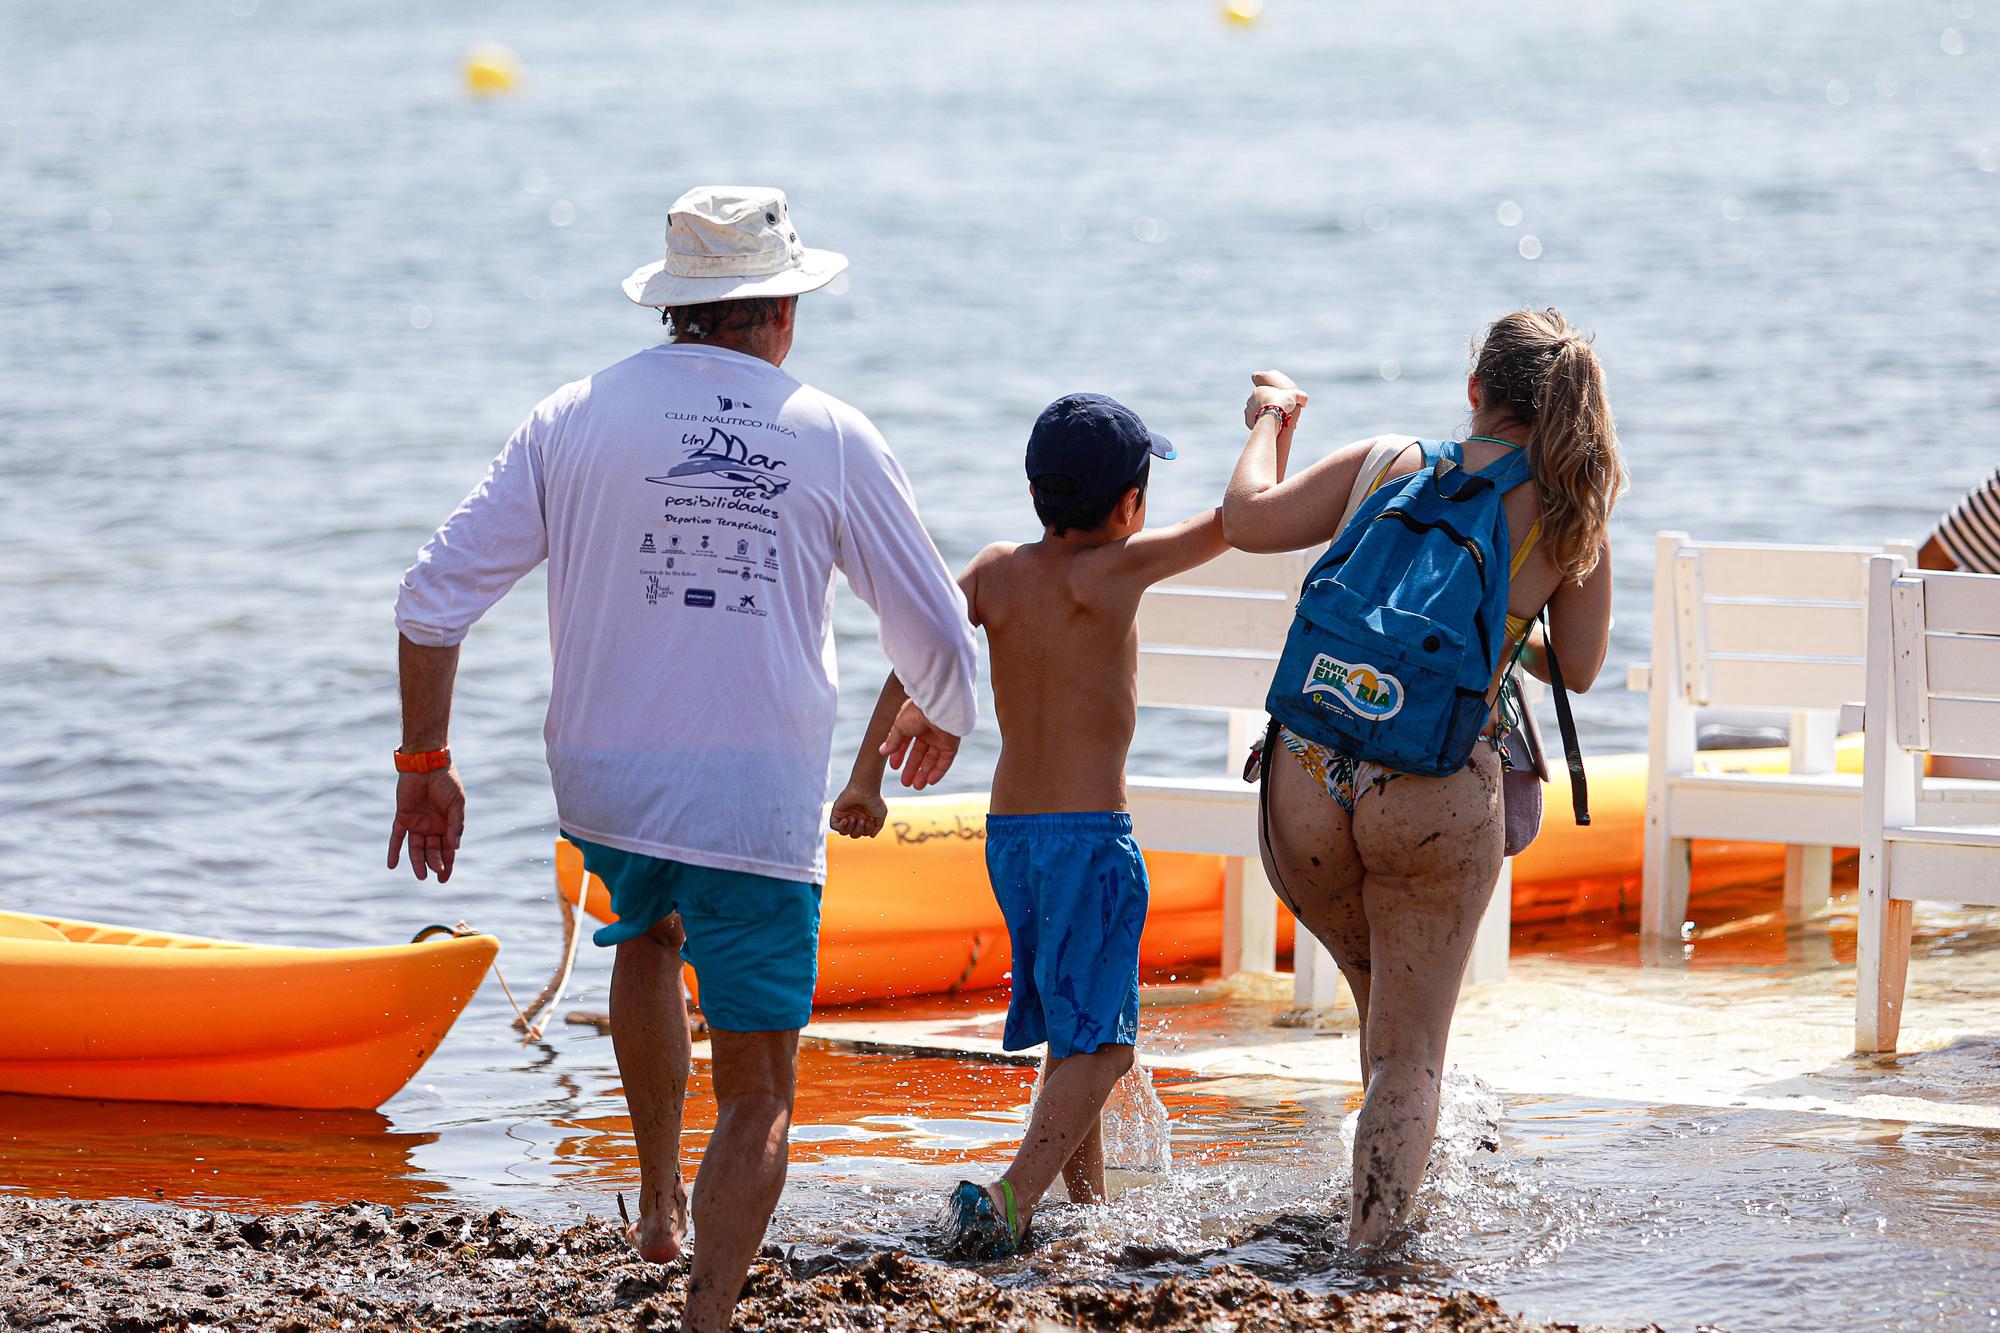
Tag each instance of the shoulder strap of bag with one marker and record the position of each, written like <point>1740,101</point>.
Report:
<point>1381,457</point>
<point>1579,789</point>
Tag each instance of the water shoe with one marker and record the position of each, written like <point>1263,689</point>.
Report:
<point>975,1229</point>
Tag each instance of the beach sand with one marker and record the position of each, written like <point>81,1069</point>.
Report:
<point>366,1267</point>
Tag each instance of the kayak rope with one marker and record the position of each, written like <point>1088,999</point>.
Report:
<point>551,994</point>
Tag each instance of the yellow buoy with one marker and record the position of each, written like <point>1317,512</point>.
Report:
<point>1245,12</point>
<point>492,70</point>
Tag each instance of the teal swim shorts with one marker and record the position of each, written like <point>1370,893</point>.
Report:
<point>753,941</point>
<point>1073,890</point>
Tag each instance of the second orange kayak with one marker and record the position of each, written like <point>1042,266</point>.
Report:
<point>910,912</point>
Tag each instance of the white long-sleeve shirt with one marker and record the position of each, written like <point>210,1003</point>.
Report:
<point>693,503</point>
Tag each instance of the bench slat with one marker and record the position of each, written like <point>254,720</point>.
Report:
<point>1806,816</point>
<point>1786,629</point>
<point>1240,571</point>
<point>1967,665</point>
<point>1961,603</point>
<point>1785,573</point>
<point>1937,868</point>
<point>1203,618</point>
<point>1793,684</point>
<point>1969,727</point>
<point>1185,678</point>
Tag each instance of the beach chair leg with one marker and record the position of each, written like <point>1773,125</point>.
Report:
<point>1488,961</point>
<point>1663,888</point>
<point>1316,980</point>
<point>1881,956</point>
<point>1249,918</point>
<point>1879,1017</point>
<point>1808,880</point>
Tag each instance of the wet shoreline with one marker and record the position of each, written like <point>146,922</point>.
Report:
<point>136,1269</point>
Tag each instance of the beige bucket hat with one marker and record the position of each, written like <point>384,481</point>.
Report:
<point>729,243</point>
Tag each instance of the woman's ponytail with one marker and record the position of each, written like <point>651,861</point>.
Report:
<point>1535,367</point>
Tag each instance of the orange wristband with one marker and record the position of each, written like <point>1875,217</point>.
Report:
<point>429,761</point>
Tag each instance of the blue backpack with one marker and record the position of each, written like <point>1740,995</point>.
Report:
<point>1402,623</point>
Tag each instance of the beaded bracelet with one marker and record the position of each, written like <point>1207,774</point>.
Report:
<point>1285,419</point>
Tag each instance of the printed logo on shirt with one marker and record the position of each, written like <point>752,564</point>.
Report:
<point>727,405</point>
<point>699,597</point>
<point>1356,687</point>
<point>722,462</point>
<point>746,605</point>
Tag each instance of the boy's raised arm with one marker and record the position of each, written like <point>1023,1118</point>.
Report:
<point>1147,557</point>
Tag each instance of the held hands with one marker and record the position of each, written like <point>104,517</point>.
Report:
<point>430,812</point>
<point>1274,388</point>
<point>918,748</point>
<point>858,812</point>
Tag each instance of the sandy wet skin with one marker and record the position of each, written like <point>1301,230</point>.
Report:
<point>366,1266</point>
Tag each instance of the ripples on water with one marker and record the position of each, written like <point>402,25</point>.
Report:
<point>276,290</point>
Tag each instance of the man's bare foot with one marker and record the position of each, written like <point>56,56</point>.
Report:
<point>658,1233</point>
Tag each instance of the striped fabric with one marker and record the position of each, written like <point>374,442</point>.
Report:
<point>1970,533</point>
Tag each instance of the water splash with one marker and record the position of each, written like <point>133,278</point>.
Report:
<point>1136,1136</point>
<point>1469,1116</point>
<point>1136,1132</point>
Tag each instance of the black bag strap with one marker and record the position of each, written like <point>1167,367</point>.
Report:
<point>1579,789</point>
<point>1263,766</point>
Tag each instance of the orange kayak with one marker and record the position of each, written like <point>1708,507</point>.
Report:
<point>103,1011</point>
<point>910,912</point>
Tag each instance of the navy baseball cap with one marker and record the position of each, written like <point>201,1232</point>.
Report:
<point>1096,442</point>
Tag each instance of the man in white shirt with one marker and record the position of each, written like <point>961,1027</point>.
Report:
<point>693,502</point>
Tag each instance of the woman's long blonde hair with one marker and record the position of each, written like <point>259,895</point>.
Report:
<point>1534,366</point>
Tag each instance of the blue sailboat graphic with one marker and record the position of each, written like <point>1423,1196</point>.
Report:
<point>723,462</point>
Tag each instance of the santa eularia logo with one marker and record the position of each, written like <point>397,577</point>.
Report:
<point>1370,694</point>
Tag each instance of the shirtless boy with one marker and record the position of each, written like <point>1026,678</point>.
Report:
<point>1059,615</point>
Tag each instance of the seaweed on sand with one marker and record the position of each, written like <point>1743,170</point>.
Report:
<point>125,1269</point>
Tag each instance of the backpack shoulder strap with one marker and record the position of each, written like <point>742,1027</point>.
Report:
<point>1507,471</point>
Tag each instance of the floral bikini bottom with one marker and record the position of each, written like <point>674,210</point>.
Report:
<point>1343,775</point>
<point>1347,776</point>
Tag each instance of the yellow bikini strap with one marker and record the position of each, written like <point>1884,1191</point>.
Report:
<point>1527,547</point>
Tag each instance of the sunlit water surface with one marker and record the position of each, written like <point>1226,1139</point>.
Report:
<point>276,289</point>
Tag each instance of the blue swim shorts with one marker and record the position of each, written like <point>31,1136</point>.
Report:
<point>752,941</point>
<point>1073,890</point>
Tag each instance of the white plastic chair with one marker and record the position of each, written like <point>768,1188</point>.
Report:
<point>1748,626</point>
<point>1933,687</point>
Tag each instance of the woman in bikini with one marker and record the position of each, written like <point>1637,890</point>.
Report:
<point>1390,871</point>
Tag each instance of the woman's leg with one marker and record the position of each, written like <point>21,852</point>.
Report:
<point>1309,857</point>
<point>1433,849</point>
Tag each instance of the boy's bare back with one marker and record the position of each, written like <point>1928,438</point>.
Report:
<point>1060,618</point>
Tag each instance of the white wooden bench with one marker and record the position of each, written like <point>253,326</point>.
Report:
<point>1209,640</point>
<point>1748,626</point>
<point>1933,688</point>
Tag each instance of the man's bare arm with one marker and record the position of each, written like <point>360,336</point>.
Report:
<point>430,807</point>
<point>427,675</point>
